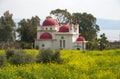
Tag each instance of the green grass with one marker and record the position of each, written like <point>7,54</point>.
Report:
<point>76,65</point>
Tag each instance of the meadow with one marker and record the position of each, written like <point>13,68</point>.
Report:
<point>76,65</point>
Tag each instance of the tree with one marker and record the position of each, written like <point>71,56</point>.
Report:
<point>87,22</point>
<point>62,16</point>
<point>92,45</point>
<point>87,25</point>
<point>28,29</point>
<point>7,25</point>
<point>103,42</point>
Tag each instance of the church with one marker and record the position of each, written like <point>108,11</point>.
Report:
<point>53,35</point>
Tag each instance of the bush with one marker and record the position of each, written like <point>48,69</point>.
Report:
<point>9,53</point>
<point>47,56</point>
<point>30,58</point>
<point>3,61</point>
<point>44,56</point>
<point>56,57</point>
<point>20,57</point>
<point>25,45</point>
<point>37,47</point>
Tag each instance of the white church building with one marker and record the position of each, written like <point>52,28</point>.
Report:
<point>55,36</point>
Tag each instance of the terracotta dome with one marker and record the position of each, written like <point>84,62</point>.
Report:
<point>64,28</point>
<point>50,22</point>
<point>46,36</point>
<point>80,38</point>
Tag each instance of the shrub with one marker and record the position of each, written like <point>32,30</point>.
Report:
<point>20,57</point>
<point>9,53</point>
<point>47,56</point>
<point>44,56</point>
<point>25,45</point>
<point>37,47</point>
<point>30,58</point>
<point>3,61</point>
<point>56,57</point>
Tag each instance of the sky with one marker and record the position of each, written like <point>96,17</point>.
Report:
<point>104,9</point>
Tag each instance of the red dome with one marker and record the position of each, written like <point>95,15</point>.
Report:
<point>50,22</point>
<point>64,28</point>
<point>81,38</point>
<point>46,36</point>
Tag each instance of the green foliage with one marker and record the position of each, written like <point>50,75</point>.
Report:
<point>92,45</point>
<point>99,43</point>
<point>56,57</point>
<point>7,31</point>
<point>25,45</point>
<point>3,61</point>
<point>20,57</point>
<point>47,56</point>
<point>62,16</point>
<point>87,25</point>
<point>28,29</point>
<point>103,42</point>
<point>9,53</point>
<point>37,47</point>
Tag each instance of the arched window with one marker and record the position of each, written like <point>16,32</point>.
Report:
<point>78,48</point>
<point>62,37</point>
<point>62,42</point>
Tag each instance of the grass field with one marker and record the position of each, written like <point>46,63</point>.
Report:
<point>76,65</point>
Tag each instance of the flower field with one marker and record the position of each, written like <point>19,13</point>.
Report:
<point>76,65</point>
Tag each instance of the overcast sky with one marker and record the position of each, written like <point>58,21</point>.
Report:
<point>105,9</point>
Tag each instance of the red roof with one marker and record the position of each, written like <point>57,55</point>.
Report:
<point>46,36</point>
<point>50,22</point>
<point>64,28</point>
<point>80,38</point>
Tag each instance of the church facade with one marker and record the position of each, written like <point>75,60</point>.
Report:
<point>55,36</point>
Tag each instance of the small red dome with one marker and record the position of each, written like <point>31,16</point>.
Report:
<point>46,36</point>
<point>80,38</point>
<point>50,22</point>
<point>64,28</point>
